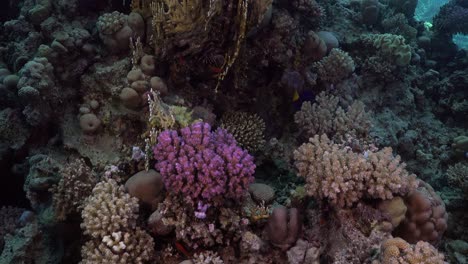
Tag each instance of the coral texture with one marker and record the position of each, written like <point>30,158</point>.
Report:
<point>457,176</point>
<point>109,217</point>
<point>248,129</point>
<point>201,165</point>
<point>325,116</point>
<point>335,67</point>
<point>74,187</point>
<point>451,19</point>
<point>393,47</point>
<point>397,250</point>
<point>343,177</point>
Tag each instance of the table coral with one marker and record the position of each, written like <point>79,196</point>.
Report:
<point>202,165</point>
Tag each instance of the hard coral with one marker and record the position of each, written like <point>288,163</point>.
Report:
<point>248,129</point>
<point>109,217</point>
<point>426,217</point>
<point>397,250</point>
<point>335,67</point>
<point>284,227</point>
<point>343,177</point>
<point>73,188</point>
<point>202,165</point>
<point>327,117</point>
<point>457,176</point>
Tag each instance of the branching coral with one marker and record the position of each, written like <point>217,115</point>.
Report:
<point>326,117</point>
<point>202,165</point>
<point>397,250</point>
<point>73,188</point>
<point>248,129</point>
<point>335,67</point>
<point>342,177</point>
<point>109,217</point>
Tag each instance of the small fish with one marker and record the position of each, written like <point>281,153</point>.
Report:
<point>299,98</point>
<point>182,249</point>
<point>216,69</point>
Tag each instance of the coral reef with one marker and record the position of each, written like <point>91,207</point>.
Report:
<point>144,117</point>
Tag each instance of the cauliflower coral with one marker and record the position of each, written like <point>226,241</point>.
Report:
<point>203,166</point>
<point>342,177</point>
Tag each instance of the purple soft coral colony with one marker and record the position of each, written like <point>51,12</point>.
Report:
<point>203,166</point>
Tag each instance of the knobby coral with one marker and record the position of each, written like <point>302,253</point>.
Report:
<point>109,217</point>
<point>203,166</point>
<point>343,177</point>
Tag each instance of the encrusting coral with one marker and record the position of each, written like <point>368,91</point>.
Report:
<point>343,177</point>
<point>109,218</point>
<point>74,187</point>
<point>335,67</point>
<point>248,129</point>
<point>203,166</point>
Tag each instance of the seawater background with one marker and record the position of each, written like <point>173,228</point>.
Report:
<point>427,9</point>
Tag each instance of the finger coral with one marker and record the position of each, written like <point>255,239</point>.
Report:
<point>109,217</point>
<point>201,165</point>
<point>248,129</point>
<point>343,177</point>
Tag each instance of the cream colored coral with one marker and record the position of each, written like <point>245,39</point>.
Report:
<point>248,129</point>
<point>109,217</point>
<point>335,67</point>
<point>343,177</point>
<point>74,187</point>
<point>109,210</point>
<point>325,116</point>
<point>398,251</point>
<point>207,257</point>
<point>135,246</point>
